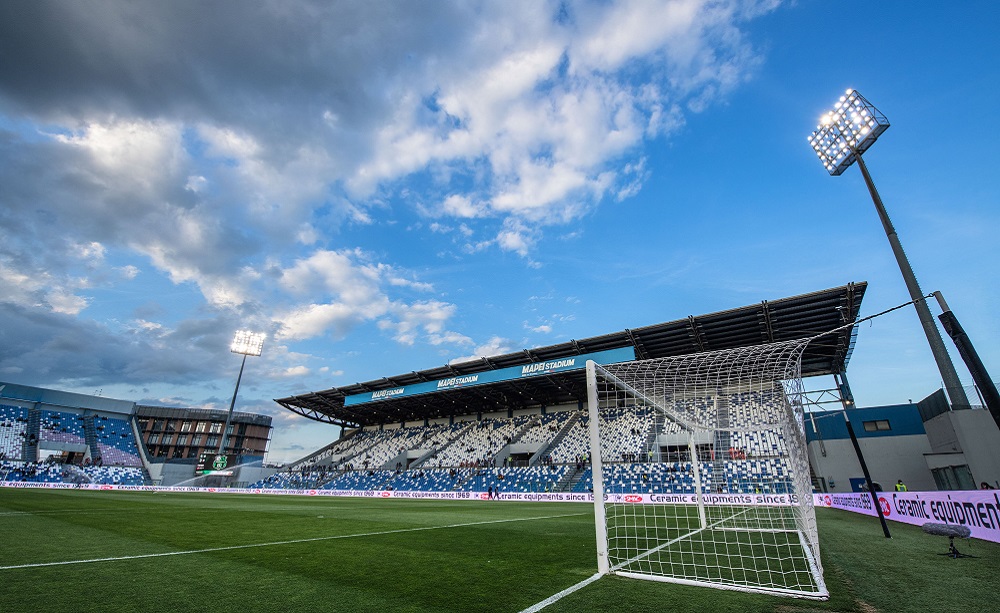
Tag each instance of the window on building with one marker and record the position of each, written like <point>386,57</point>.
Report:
<point>216,427</point>
<point>178,452</point>
<point>193,452</point>
<point>201,426</point>
<point>154,439</point>
<point>182,439</point>
<point>213,441</point>
<point>186,426</point>
<point>158,425</point>
<point>877,425</point>
<point>196,439</point>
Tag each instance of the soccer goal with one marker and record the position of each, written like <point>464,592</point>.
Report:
<point>700,473</point>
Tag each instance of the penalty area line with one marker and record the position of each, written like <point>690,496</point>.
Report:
<point>277,543</point>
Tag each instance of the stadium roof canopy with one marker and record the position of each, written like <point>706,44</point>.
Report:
<point>766,322</point>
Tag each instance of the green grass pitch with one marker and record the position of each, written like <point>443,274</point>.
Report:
<point>64,550</point>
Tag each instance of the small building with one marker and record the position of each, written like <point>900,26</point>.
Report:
<point>185,433</point>
<point>176,438</point>
<point>927,445</point>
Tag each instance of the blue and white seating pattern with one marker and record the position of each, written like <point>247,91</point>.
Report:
<point>12,431</point>
<point>545,429</point>
<point>480,442</point>
<point>116,442</point>
<point>574,444</point>
<point>756,408</point>
<point>466,460</point>
<point>515,479</point>
<point>60,427</point>
<point>50,472</point>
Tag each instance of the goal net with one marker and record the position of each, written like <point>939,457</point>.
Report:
<point>700,474</point>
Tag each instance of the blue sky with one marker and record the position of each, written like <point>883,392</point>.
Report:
<point>386,187</point>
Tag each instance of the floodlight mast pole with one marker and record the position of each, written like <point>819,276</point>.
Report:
<point>844,134</point>
<point>232,405</point>
<point>956,393</point>
<point>248,343</point>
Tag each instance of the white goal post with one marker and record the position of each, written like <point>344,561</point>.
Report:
<point>700,474</point>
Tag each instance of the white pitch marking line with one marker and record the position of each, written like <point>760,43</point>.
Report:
<point>291,542</point>
<point>60,512</point>
<point>566,592</point>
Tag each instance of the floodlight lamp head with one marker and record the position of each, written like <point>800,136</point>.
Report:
<point>847,131</point>
<point>248,343</point>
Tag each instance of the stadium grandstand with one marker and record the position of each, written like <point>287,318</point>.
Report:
<point>518,422</point>
<point>51,436</point>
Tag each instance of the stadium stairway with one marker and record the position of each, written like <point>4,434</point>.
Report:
<point>456,436</point>
<point>420,461</point>
<point>90,437</point>
<point>554,443</point>
<point>569,480</point>
<point>31,433</point>
<point>73,474</point>
<point>500,459</point>
<point>524,428</point>
<point>723,441</point>
<point>359,452</point>
<point>322,453</point>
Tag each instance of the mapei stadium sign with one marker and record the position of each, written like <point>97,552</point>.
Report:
<point>570,363</point>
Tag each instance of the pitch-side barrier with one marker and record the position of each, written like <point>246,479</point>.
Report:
<point>779,500</point>
<point>979,510</point>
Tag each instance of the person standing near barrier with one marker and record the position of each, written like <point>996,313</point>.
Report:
<point>900,486</point>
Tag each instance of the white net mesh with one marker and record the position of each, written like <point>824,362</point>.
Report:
<point>702,461</point>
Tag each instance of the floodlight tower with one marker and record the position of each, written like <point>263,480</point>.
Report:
<point>842,136</point>
<point>247,343</point>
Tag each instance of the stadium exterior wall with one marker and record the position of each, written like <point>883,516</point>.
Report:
<point>889,459</point>
<point>898,444</point>
<point>966,438</point>
<point>892,439</point>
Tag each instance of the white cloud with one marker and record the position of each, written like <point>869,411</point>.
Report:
<point>427,316</point>
<point>517,237</point>
<point>61,301</point>
<point>228,143</point>
<point>496,345</point>
<point>294,371</point>
<point>129,272</point>
<point>449,338</point>
<point>315,320</point>
<point>356,291</point>
<point>547,114</point>
<point>93,251</point>
<point>196,183</point>
<point>134,156</point>
<point>417,285</point>
<point>460,206</point>
<point>56,294</point>
<point>342,274</point>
